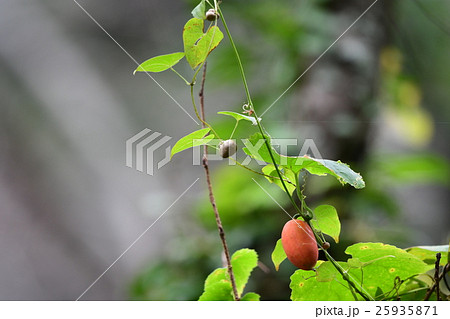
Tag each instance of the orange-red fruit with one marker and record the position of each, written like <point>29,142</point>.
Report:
<point>299,244</point>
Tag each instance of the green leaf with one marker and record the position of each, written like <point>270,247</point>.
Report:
<point>160,63</point>
<point>278,255</point>
<point>261,153</point>
<point>243,262</point>
<point>287,174</point>
<point>191,140</point>
<point>428,253</point>
<point>325,272</point>
<point>306,287</point>
<point>198,45</point>
<point>383,264</point>
<point>355,263</point>
<point>340,170</point>
<point>251,296</point>
<point>199,11</point>
<point>217,287</point>
<point>343,173</point>
<point>374,266</point>
<point>327,220</point>
<point>239,116</point>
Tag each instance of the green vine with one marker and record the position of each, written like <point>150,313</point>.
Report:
<point>228,283</point>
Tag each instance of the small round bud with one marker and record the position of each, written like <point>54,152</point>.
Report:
<point>211,15</point>
<point>326,245</point>
<point>227,148</point>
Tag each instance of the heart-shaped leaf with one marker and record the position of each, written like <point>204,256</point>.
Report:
<point>197,45</point>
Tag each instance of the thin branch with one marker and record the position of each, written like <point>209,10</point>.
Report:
<point>436,275</point>
<point>201,94</point>
<point>211,194</point>
<point>437,278</point>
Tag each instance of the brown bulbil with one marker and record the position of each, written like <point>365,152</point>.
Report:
<point>227,148</point>
<point>211,15</point>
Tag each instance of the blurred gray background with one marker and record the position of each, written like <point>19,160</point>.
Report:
<point>68,204</point>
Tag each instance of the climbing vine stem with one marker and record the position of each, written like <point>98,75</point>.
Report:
<point>306,216</point>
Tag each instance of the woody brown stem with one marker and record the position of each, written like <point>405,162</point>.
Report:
<point>211,194</point>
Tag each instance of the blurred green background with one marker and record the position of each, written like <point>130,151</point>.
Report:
<point>377,100</point>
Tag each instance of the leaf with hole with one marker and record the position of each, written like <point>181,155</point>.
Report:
<point>198,45</point>
<point>160,63</point>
